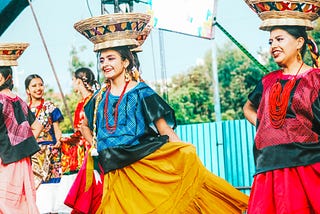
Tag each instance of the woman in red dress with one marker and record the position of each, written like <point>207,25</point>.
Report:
<point>74,147</point>
<point>285,108</point>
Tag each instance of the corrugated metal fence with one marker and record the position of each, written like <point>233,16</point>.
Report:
<point>225,148</point>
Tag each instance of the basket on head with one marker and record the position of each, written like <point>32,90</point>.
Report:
<point>10,52</point>
<point>113,30</point>
<point>142,37</point>
<point>285,12</point>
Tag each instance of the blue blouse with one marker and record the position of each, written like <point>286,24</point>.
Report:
<point>137,111</point>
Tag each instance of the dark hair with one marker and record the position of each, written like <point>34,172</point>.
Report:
<point>29,78</point>
<point>87,77</point>
<point>6,72</point>
<point>136,60</point>
<point>296,32</point>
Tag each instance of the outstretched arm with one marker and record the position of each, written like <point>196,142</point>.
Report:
<point>250,112</point>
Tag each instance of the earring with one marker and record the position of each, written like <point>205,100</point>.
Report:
<point>126,76</point>
<point>299,56</point>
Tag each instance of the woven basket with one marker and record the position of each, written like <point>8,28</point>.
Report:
<point>112,30</point>
<point>142,37</point>
<point>10,52</point>
<point>290,12</point>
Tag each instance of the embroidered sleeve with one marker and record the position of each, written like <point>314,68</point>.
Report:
<point>56,115</point>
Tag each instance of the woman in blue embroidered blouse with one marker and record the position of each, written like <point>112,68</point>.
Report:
<point>146,167</point>
<point>46,164</point>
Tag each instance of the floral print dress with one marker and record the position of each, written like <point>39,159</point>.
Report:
<point>46,164</point>
<point>74,147</point>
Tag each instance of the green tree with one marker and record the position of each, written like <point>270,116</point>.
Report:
<point>237,77</point>
<point>191,94</point>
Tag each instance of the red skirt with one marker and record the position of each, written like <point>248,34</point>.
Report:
<point>81,201</point>
<point>286,191</point>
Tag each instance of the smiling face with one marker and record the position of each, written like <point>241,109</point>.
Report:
<point>35,89</point>
<point>112,65</point>
<point>284,47</point>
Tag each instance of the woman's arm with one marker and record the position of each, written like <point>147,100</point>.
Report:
<point>86,131</point>
<point>250,112</point>
<point>36,128</point>
<point>165,129</point>
<point>57,133</point>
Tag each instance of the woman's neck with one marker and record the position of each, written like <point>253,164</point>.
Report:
<point>293,68</point>
<point>35,102</point>
<point>8,92</point>
<point>85,93</point>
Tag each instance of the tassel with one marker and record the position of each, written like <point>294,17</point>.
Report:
<point>92,168</point>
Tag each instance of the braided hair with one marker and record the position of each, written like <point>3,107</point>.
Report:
<point>88,78</point>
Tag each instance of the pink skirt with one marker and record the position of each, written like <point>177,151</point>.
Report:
<point>286,191</point>
<point>17,190</point>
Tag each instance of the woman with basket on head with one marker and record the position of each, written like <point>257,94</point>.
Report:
<point>18,129</point>
<point>285,108</point>
<point>146,167</point>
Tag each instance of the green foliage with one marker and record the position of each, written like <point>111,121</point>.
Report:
<point>191,95</point>
<point>238,76</point>
<point>75,61</point>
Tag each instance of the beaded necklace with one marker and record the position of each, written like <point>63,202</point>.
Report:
<point>113,128</point>
<point>99,98</point>
<point>279,100</point>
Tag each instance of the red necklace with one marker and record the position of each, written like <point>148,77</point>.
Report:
<point>279,100</point>
<point>112,128</point>
<point>38,108</point>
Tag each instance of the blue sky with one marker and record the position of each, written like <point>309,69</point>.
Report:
<point>56,19</point>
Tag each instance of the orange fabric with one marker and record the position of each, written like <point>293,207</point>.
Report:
<point>170,180</point>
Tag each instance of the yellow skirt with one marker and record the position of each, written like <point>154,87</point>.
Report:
<point>170,180</point>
